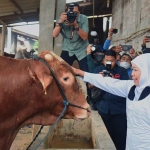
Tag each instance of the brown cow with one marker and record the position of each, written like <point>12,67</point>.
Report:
<point>29,94</point>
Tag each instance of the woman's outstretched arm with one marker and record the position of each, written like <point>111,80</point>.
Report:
<point>113,86</point>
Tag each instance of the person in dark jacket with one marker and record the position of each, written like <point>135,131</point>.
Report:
<point>112,108</point>
<point>94,58</point>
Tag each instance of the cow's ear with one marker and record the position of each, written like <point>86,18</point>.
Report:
<point>44,78</point>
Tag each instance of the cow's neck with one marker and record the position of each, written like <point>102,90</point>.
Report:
<point>29,112</point>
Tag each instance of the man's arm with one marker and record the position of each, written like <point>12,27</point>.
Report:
<point>82,34</point>
<point>56,31</point>
<point>57,28</point>
<point>90,61</point>
<point>107,44</point>
<point>108,40</point>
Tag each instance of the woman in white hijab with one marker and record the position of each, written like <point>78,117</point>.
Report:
<point>137,93</point>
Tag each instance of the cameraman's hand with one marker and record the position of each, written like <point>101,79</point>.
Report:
<point>132,52</point>
<point>89,49</point>
<point>111,31</point>
<point>74,24</point>
<point>101,73</point>
<point>118,49</point>
<point>112,76</point>
<point>145,40</point>
<point>63,17</point>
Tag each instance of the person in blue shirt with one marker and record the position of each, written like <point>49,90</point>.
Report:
<point>107,45</point>
<point>112,108</point>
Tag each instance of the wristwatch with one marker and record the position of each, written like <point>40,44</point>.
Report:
<point>59,24</point>
<point>77,29</point>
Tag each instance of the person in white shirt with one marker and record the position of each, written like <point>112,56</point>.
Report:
<point>137,94</point>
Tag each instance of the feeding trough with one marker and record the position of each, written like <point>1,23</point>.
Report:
<point>90,133</point>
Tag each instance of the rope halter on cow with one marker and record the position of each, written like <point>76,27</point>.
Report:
<point>65,101</point>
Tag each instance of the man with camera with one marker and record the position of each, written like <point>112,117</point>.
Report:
<point>107,45</point>
<point>74,28</point>
<point>94,58</point>
<point>112,108</point>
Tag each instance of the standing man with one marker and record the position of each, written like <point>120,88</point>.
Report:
<point>112,108</point>
<point>75,37</point>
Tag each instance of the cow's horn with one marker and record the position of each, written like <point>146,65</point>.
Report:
<point>48,57</point>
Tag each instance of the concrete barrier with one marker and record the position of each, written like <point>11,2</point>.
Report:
<point>90,133</point>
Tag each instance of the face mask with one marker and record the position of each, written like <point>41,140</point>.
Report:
<point>125,65</point>
<point>99,58</point>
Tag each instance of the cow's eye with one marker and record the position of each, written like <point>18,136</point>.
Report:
<point>66,78</point>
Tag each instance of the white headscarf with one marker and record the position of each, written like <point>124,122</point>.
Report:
<point>143,62</point>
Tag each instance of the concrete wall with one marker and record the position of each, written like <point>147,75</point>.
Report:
<point>47,13</point>
<point>60,8</point>
<point>132,19</point>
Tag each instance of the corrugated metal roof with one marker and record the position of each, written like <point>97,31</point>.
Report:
<point>13,11</point>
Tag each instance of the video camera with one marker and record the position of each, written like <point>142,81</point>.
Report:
<point>95,40</point>
<point>108,68</point>
<point>71,16</point>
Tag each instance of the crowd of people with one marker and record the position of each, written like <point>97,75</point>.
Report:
<point>118,81</point>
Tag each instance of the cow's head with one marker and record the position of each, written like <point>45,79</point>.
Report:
<point>30,94</point>
<point>68,82</point>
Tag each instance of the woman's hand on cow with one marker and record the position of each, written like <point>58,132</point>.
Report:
<point>78,72</point>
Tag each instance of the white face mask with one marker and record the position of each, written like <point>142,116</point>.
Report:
<point>125,65</point>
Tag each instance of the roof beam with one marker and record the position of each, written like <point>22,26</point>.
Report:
<point>25,34</point>
<point>1,22</point>
<point>17,15</point>
<point>85,4</point>
<point>17,6</point>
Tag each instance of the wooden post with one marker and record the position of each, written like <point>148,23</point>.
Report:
<point>3,40</point>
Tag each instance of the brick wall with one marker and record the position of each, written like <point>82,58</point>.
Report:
<point>132,18</point>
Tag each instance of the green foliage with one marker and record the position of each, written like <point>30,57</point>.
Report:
<point>35,45</point>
